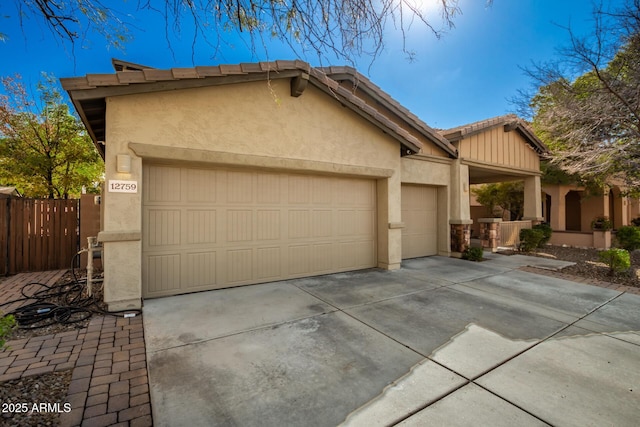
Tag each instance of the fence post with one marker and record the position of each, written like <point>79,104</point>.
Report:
<point>5,209</point>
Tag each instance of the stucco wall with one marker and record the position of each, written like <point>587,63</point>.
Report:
<point>260,120</point>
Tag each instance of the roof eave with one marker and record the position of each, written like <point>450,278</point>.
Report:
<point>372,90</point>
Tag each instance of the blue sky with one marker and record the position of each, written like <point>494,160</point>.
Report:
<point>469,74</point>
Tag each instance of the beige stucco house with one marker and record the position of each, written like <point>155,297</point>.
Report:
<point>571,209</point>
<point>230,175</point>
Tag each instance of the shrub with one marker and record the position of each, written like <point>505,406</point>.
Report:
<point>636,221</point>
<point>530,239</point>
<point>473,254</point>
<point>628,237</point>
<point>546,233</point>
<point>7,323</point>
<point>601,223</point>
<point>617,259</point>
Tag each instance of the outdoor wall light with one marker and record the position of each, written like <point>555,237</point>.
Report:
<point>123,163</point>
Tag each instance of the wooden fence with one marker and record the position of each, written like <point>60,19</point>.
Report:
<point>510,232</point>
<point>37,234</point>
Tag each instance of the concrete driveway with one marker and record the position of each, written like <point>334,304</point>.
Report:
<point>440,342</point>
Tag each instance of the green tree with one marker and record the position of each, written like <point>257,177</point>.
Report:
<point>508,196</point>
<point>586,108</point>
<point>342,29</point>
<point>45,151</point>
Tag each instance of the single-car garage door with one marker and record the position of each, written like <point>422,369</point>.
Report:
<point>215,228</point>
<point>420,217</point>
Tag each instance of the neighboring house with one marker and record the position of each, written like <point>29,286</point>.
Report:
<point>570,210</point>
<point>7,192</point>
<point>230,175</point>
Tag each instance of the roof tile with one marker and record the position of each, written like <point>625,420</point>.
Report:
<point>301,65</point>
<point>103,80</point>
<point>185,73</point>
<point>76,83</point>
<point>126,77</point>
<point>267,66</point>
<point>285,65</point>
<point>208,71</point>
<point>153,74</point>
<point>251,67</point>
<point>228,70</point>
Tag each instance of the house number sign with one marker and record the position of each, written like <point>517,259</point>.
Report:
<point>119,186</point>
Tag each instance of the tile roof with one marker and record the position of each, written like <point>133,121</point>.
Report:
<point>88,93</point>
<point>340,73</point>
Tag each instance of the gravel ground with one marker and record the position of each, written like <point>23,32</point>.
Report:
<point>18,397</point>
<point>588,264</point>
<point>52,388</point>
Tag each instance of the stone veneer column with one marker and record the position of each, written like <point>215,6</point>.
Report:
<point>490,233</point>
<point>460,236</point>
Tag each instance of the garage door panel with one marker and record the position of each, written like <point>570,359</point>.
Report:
<point>322,191</point>
<point>201,269</point>
<point>207,229</point>
<point>239,266</point>
<point>201,227</point>
<point>321,223</point>
<point>322,256</point>
<point>163,227</point>
<point>163,274</point>
<point>202,187</point>
<point>299,224</point>
<point>365,223</point>
<point>269,189</point>
<point>268,224</point>
<point>239,187</point>
<point>299,260</point>
<point>299,190</point>
<point>239,225</point>
<point>268,262</point>
<point>163,184</point>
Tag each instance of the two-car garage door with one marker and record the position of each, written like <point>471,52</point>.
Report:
<point>214,228</point>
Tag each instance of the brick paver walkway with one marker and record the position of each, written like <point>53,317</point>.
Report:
<point>109,383</point>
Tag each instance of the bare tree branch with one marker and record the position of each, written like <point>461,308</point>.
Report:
<point>587,104</point>
<point>328,29</point>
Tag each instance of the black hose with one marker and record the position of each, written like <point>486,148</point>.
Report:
<point>63,303</point>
